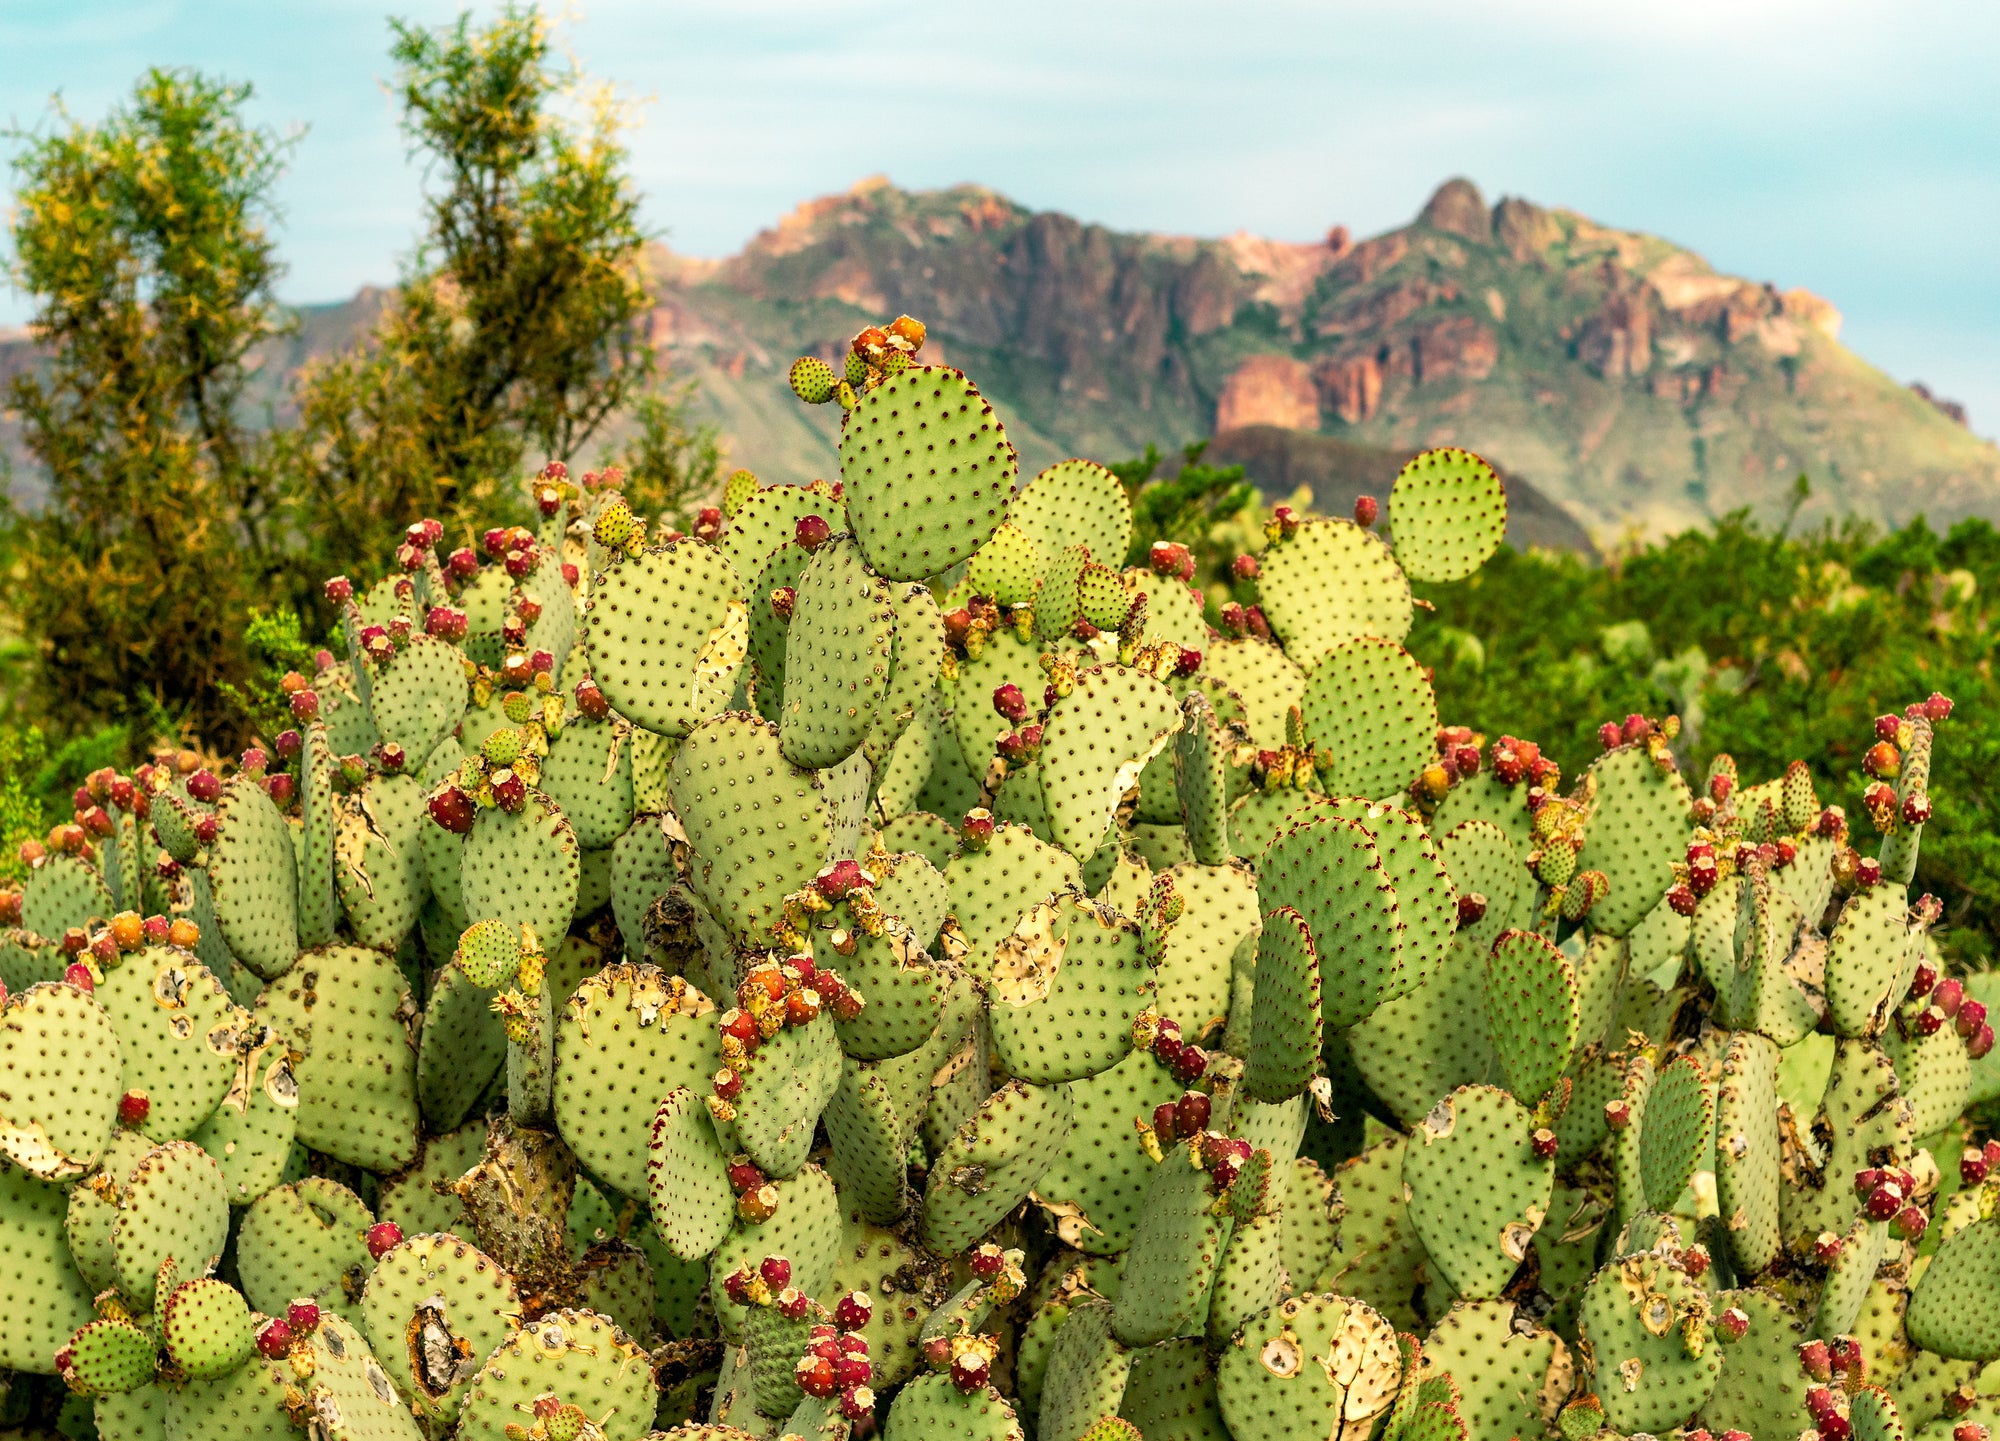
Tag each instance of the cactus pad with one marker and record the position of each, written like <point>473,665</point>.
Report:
<point>1648,1373</point>
<point>1328,871</point>
<point>1307,1369</point>
<point>1066,989</point>
<point>1096,741</point>
<point>1477,1191</point>
<point>665,633</point>
<point>59,1053</point>
<point>434,1308</point>
<point>1512,1375</point>
<point>931,1408</point>
<point>254,871</point>
<point>1951,1310</point>
<point>1075,503</point>
<point>1369,707</point>
<point>836,657</point>
<point>177,1036</point>
<point>1531,1012</point>
<point>1448,513</point>
<point>522,868</point>
<point>175,1208</point>
<point>993,1160</point>
<point>927,471</point>
<point>1285,1028</point>
<point>1637,831</point>
<point>1175,1250</point>
<point>1332,582</point>
<point>46,1300</point>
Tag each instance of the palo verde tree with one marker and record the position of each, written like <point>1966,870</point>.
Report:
<point>145,242</point>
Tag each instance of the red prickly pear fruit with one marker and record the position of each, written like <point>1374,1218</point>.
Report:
<point>303,1316</point>
<point>1188,662</point>
<point>548,500</point>
<point>521,563</point>
<point>1888,727</point>
<point>758,1206</point>
<point>836,880</point>
<point>510,792</point>
<point>937,1353</point>
<point>124,794</point>
<point>853,1370</point>
<point>1882,1203</point>
<point>1695,1261</point>
<point>1465,760</point>
<point>857,1403</point>
<point>1827,1248</point>
<point>784,600</point>
<point>104,949</point>
<point>1980,1045</point>
<point>384,1237</point>
<point>1010,702</point>
<point>340,590</point>
<point>78,975</point>
<point>1816,1361</point>
<point>736,1285</point>
<point>1971,1016</point>
<point>1970,1431</point>
<point>288,743</point>
<point>1163,1122</point>
<point>1254,621</point>
<point>453,809</point>
<point>1928,1022</point>
<point>1543,1143</point>
<point>1365,511</point>
<point>274,1339</point>
<point>1245,567</point>
<point>157,929</point>
<point>812,532</point>
<point>969,1371</point>
<point>32,853</point>
<point>1821,1403</point>
<point>792,1304</point>
<point>1471,909</point>
<point>462,564</point>
<point>1190,1064</point>
<point>1867,872</point>
<point>776,1271</point>
<point>986,1261</point>
<point>977,828</point>
<point>304,705</point>
<point>728,1084</point>
<point>1617,1114</point>
<point>1972,1166</point>
<point>1882,760</point>
<point>206,786</point>
<point>1845,1354</point>
<point>1908,1223</point>
<point>1609,736</point>
<point>744,1176</point>
<point>1191,1113</point>
<point>74,941</point>
<point>1949,995</point>
<point>280,787</point>
<point>853,1311</point>
<point>205,829</point>
<point>97,823</point>
<point>1682,900</point>
<point>10,908</point>
<point>1733,1324</point>
<point>816,1376</point>
<point>590,700</point>
<point>1636,729</point>
<point>133,1108</point>
<point>1923,980</point>
<point>1937,708</point>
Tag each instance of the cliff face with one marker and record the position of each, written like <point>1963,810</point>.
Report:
<point>1617,373</point>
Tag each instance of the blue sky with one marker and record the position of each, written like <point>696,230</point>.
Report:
<point>1840,145</point>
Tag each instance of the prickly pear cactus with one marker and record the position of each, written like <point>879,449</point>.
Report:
<point>858,958</point>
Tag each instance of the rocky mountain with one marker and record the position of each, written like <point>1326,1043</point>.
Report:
<point>1615,373</point>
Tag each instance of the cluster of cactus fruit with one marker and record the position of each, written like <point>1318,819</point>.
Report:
<point>877,964</point>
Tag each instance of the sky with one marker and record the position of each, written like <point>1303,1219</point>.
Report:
<point>1841,145</point>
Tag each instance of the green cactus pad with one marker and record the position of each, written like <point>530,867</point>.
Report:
<point>1172,1261</point>
<point>1307,1241</point>
<point>352,1392</point>
<point>642,871</point>
<point>418,697</point>
<point>1173,608</point>
<point>1637,830</point>
<point>1065,991</point>
<point>1632,1321</point>
<point>993,887</point>
<point>787,1082</point>
<point>60,1055</point>
<point>177,1036</point>
<point>348,1012</point>
<point>1059,602</point>
<point>319,812</point>
<point>1680,1121</point>
<point>1075,503</point>
<point>580,1356</point>
<point>175,1207</point>
<point>1248,1280</point>
<point>1220,920</point>
<point>45,1299</point>
<point>1481,861</point>
<point>1269,682</point>
<point>459,1050</point>
<point>769,631</point>
<point>588,774</point>
<point>1869,959</point>
<point>931,1408</point>
<point>1086,1375</point>
<point>1477,1191</point>
<point>61,892</point>
<point>306,1239</point>
<point>1005,568</point>
<point>1951,1309</point>
<point>1307,1369</point>
<point>993,1160</point>
<point>1935,1075</point>
<point>139,1415</point>
<point>1201,775</point>
<point>207,1328</point>
<point>1512,1375</point>
<point>255,875</point>
<point>434,1308</point>
<point>1531,1012</point>
<point>1426,900</point>
<point>837,651</point>
<point>1170,1393</point>
<point>409,1197</point>
<point>378,859</point>
<point>1448,513</point>
<point>916,659</point>
<point>770,518</point>
<point>1844,1295</point>
<point>343,705</point>
<point>1332,582</point>
<point>772,1344</point>
<point>1761,1388</point>
<point>251,1133</point>
<point>1369,707</point>
<point>758,825</point>
<point>1285,1030</point>
<point>688,1178</point>
<point>112,1357</point>
<point>1747,1150</point>
<point>805,1230</point>
<point>903,988</point>
<point>880,1265</point>
<point>1863,1117</point>
<point>927,471</point>
<point>975,725</point>
<point>628,1037</point>
<point>1328,870</point>
<point>665,633</point>
<point>1417,1048</point>
<point>1094,1189</point>
<point>522,868</point>
<point>868,1148</point>
<point>1096,741</point>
